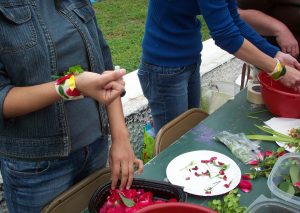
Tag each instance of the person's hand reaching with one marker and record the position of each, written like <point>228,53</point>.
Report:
<point>122,161</point>
<point>288,60</point>
<point>287,42</point>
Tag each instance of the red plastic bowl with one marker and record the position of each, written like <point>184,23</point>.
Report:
<point>279,100</point>
<point>176,207</point>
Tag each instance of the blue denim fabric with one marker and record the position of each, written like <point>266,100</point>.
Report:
<point>170,90</point>
<point>28,57</point>
<point>56,175</point>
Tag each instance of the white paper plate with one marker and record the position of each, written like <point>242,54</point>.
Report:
<point>180,174</point>
<point>283,125</point>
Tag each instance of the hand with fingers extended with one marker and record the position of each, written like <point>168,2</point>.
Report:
<point>288,60</point>
<point>122,162</point>
<point>291,79</point>
<point>287,42</point>
<point>101,87</point>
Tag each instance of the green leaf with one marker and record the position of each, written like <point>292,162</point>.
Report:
<point>128,202</point>
<point>287,187</point>
<point>272,138</point>
<point>294,173</point>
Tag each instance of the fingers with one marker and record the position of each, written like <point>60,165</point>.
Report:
<point>140,165</point>
<point>115,168</point>
<point>126,170</point>
<point>107,77</point>
<point>130,175</point>
<point>297,65</point>
<point>293,51</point>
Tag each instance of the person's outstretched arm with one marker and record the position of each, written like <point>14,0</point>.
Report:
<point>23,100</point>
<point>121,155</point>
<point>269,26</point>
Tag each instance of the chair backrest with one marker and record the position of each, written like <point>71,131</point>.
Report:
<point>174,129</point>
<point>77,198</point>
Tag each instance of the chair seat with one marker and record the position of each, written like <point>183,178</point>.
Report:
<point>76,199</point>
<point>174,129</point>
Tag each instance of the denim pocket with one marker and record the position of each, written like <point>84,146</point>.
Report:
<point>26,169</point>
<point>17,31</point>
<point>144,79</point>
<point>171,72</point>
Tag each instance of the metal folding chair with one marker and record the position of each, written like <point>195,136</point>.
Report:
<point>77,198</point>
<point>174,129</point>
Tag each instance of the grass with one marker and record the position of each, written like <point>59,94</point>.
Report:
<point>122,23</point>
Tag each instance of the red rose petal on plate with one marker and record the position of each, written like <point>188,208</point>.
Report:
<point>245,186</point>
<point>226,185</point>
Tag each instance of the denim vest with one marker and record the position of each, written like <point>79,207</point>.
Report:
<point>27,57</point>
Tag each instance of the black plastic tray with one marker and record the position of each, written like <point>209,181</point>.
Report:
<point>160,190</point>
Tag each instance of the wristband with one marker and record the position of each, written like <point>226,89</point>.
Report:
<point>278,71</point>
<point>66,88</point>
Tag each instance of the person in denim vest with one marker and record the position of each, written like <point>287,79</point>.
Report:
<point>169,69</point>
<point>48,144</point>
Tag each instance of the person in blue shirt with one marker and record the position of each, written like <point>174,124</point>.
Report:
<point>171,52</point>
<point>54,133</point>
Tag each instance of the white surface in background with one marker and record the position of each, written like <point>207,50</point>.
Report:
<point>212,57</point>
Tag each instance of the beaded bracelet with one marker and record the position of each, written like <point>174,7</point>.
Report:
<point>65,86</point>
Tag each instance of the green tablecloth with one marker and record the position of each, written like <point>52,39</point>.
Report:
<point>232,117</point>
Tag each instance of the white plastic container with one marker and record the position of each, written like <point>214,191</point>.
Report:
<point>217,93</point>
<point>281,169</point>
<point>266,205</point>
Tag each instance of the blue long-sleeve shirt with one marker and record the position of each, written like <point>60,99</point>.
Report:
<point>172,32</point>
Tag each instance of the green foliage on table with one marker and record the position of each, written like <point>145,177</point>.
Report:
<point>276,136</point>
<point>229,204</point>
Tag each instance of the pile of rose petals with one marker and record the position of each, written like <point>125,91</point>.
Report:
<point>129,201</point>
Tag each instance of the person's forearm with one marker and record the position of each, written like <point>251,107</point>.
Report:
<point>23,100</point>
<point>116,119</point>
<point>249,53</point>
<point>262,23</point>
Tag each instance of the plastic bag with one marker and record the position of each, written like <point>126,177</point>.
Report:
<point>148,147</point>
<point>216,94</point>
<point>241,147</point>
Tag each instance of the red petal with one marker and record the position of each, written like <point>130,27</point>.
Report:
<point>172,200</point>
<point>246,177</point>
<point>75,92</point>
<point>268,153</point>
<point>195,168</point>
<point>261,155</point>
<point>297,184</point>
<point>213,159</point>
<point>253,162</point>
<point>280,153</point>
<point>245,186</point>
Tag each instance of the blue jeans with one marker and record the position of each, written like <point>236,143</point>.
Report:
<point>29,186</point>
<point>170,91</point>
